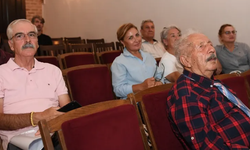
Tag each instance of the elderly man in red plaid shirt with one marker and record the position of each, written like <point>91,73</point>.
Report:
<point>202,117</point>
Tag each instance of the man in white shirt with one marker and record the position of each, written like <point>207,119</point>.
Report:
<point>149,44</point>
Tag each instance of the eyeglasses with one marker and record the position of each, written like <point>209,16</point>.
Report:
<point>20,35</point>
<point>159,72</point>
<point>229,32</point>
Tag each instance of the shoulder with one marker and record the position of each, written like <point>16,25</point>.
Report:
<point>218,47</point>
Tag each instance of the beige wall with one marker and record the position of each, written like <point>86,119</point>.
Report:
<point>101,18</point>
<point>33,7</point>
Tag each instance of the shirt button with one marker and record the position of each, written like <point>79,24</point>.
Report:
<point>211,85</point>
<point>192,138</point>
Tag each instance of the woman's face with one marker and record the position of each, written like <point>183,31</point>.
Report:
<point>132,40</point>
<point>172,36</point>
<point>228,35</point>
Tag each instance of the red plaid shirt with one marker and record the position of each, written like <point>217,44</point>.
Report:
<point>203,118</point>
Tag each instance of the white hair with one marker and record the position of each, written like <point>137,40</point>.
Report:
<point>10,26</point>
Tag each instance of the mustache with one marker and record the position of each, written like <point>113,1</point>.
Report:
<point>211,57</point>
<point>28,45</point>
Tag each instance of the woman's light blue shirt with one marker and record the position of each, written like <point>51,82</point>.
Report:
<point>128,70</point>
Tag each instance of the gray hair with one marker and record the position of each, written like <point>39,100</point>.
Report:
<point>183,47</point>
<point>145,21</point>
<point>10,26</point>
<point>164,33</point>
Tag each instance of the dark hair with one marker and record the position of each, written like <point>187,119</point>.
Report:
<point>223,27</point>
<point>121,32</point>
<point>38,17</point>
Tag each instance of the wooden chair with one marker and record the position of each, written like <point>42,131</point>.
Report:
<point>152,103</point>
<point>95,41</point>
<point>240,86</point>
<point>81,48</point>
<point>224,76</point>
<point>49,59</point>
<point>75,59</point>
<point>104,47</point>
<point>57,41</point>
<point>108,57</point>
<point>111,125</point>
<point>53,50</point>
<point>119,46</point>
<point>89,84</point>
<point>73,40</point>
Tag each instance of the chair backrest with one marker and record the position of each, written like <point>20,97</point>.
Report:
<point>112,125</point>
<point>57,41</point>
<point>119,46</point>
<point>104,47</point>
<point>96,41</point>
<point>89,83</point>
<point>108,56</point>
<point>75,59</point>
<point>74,40</point>
<point>81,48</point>
<point>49,59</point>
<point>152,103</point>
<point>238,85</point>
<point>224,76</point>
<point>52,50</point>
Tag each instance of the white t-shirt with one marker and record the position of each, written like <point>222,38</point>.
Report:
<point>156,49</point>
<point>171,65</point>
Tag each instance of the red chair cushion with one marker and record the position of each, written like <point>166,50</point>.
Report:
<point>76,60</point>
<point>155,105</point>
<point>237,84</point>
<point>91,85</point>
<point>112,129</point>
<point>109,57</point>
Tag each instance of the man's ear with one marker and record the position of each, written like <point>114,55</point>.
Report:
<point>185,61</point>
<point>11,44</point>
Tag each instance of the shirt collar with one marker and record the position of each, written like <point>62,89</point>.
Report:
<point>128,54</point>
<point>144,41</point>
<point>12,65</point>
<point>236,44</point>
<point>203,81</point>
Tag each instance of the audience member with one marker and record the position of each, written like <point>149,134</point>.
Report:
<point>30,90</point>
<point>149,44</point>
<point>233,56</point>
<point>201,116</point>
<point>4,56</point>
<point>134,69</point>
<point>173,69</point>
<point>43,39</point>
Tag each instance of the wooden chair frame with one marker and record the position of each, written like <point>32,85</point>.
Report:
<point>53,50</point>
<point>99,41</point>
<point>137,97</point>
<point>54,125</point>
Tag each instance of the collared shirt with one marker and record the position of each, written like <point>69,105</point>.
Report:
<point>128,70</point>
<point>238,59</point>
<point>156,49</point>
<point>25,91</point>
<point>171,65</point>
<point>203,118</point>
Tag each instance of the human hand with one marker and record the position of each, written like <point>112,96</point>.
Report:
<point>149,82</point>
<point>158,83</point>
<point>47,114</point>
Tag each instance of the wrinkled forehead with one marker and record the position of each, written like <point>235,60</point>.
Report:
<point>198,39</point>
<point>229,28</point>
<point>23,27</point>
<point>149,24</point>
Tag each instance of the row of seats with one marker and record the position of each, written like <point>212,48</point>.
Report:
<point>68,60</point>
<point>152,101</point>
<point>55,50</point>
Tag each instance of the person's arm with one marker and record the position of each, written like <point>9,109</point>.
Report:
<point>172,77</point>
<point>150,82</point>
<point>192,121</point>
<point>63,99</point>
<point>18,121</point>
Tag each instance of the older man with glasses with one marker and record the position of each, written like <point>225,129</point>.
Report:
<point>233,56</point>
<point>30,90</point>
